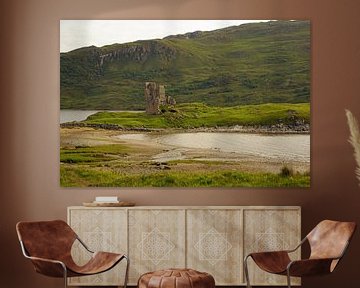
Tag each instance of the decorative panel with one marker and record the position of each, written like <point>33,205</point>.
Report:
<point>214,241</point>
<point>209,239</point>
<point>156,240</point>
<point>269,230</point>
<point>100,230</point>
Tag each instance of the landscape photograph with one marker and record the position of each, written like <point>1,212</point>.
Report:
<point>185,103</point>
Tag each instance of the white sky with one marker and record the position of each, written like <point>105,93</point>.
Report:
<point>81,33</point>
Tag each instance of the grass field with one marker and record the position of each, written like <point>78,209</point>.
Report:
<point>118,165</point>
<point>195,115</point>
<point>95,177</point>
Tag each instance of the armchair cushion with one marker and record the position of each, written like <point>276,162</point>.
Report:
<point>272,262</point>
<point>310,267</point>
<point>99,262</point>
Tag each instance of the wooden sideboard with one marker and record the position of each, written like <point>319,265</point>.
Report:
<point>212,239</point>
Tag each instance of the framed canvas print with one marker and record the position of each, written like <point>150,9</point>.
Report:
<point>185,103</point>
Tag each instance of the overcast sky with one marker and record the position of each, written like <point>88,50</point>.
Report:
<point>80,33</point>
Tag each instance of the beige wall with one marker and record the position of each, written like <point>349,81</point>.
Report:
<point>29,112</point>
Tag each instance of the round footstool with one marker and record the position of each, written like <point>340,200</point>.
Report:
<point>176,278</point>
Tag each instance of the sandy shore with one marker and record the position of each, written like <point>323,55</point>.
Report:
<point>187,158</point>
<point>260,129</point>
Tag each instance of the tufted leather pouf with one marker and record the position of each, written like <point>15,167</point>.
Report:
<point>176,278</point>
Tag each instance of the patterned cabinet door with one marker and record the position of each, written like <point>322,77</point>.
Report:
<point>214,244</point>
<point>156,240</point>
<point>101,230</point>
<point>269,230</point>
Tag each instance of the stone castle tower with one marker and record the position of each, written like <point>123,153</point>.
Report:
<point>155,97</point>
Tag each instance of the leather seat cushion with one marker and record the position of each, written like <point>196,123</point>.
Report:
<point>176,278</point>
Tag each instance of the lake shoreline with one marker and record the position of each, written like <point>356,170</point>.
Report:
<point>263,129</point>
<point>147,156</point>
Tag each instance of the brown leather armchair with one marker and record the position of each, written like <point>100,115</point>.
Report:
<point>48,245</point>
<point>328,242</point>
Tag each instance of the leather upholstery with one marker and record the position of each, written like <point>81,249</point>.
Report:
<point>328,241</point>
<point>272,262</point>
<point>53,240</point>
<point>176,278</point>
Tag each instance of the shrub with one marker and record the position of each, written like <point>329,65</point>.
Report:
<point>286,171</point>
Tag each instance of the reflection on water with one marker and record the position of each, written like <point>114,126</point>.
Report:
<point>283,147</point>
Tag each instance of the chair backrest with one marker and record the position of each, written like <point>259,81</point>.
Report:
<point>46,239</point>
<point>329,239</point>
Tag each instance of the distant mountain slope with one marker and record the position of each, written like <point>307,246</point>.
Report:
<point>266,62</point>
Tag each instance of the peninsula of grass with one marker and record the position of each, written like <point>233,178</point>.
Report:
<point>198,115</point>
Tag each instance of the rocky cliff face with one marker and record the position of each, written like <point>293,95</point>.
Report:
<point>89,62</point>
<point>190,35</point>
<point>139,52</point>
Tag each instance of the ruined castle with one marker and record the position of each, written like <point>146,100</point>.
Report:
<point>155,98</point>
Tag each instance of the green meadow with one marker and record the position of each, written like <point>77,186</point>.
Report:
<point>94,177</point>
<point>196,115</point>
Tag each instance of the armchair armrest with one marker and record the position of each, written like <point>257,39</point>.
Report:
<point>298,246</point>
<point>279,252</point>
<point>312,266</point>
<point>49,267</point>
<point>83,244</point>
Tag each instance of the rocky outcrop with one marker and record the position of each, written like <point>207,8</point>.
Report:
<point>139,52</point>
<point>189,35</point>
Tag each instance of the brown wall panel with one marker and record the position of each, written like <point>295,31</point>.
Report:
<point>29,112</point>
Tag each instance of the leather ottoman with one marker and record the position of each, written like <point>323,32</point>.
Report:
<point>176,278</point>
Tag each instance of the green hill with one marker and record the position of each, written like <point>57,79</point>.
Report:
<point>254,63</point>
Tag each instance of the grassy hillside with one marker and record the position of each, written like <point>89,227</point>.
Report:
<point>247,64</point>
